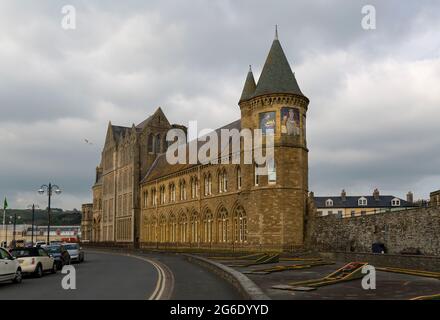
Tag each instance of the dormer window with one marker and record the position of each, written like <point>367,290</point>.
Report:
<point>362,201</point>
<point>329,203</point>
<point>395,202</point>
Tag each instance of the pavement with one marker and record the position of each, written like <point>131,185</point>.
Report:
<point>389,286</point>
<point>106,275</point>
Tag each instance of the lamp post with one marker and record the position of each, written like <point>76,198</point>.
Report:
<point>14,229</point>
<point>49,189</point>
<point>33,206</point>
<point>9,222</point>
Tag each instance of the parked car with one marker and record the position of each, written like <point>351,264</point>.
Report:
<point>40,243</point>
<point>75,252</point>
<point>10,269</point>
<point>59,254</point>
<point>34,261</point>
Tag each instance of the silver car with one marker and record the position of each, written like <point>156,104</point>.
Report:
<point>75,252</point>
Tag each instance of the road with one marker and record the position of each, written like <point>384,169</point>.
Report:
<point>118,276</point>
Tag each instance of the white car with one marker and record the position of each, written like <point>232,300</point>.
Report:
<point>10,269</point>
<point>34,260</point>
<point>75,252</point>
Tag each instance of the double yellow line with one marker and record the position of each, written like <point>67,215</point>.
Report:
<point>161,278</point>
<point>161,283</point>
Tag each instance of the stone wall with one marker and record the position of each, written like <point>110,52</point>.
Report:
<point>417,228</point>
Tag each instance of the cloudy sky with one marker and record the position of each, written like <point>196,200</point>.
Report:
<point>373,120</point>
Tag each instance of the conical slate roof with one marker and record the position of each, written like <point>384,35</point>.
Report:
<point>249,86</point>
<point>277,77</point>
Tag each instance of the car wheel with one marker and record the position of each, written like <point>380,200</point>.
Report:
<point>39,271</point>
<point>54,268</point>
<point>18,276</point>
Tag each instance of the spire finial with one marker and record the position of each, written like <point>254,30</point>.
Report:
<point>276,32</point>
<point>250,68</point>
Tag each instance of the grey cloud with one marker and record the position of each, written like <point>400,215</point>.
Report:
<point>126,58</point>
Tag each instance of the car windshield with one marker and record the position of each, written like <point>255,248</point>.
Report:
<point>20,253</point>
<point>53,249</point>
<point>73,246</point>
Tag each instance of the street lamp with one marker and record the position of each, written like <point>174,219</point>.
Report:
<point>15,223</point>
<point>33,206</point>
<point>49,189</point>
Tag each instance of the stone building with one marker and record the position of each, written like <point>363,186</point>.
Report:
<point>435,198</point>
<point>141,199</point>
<point>86,221</point>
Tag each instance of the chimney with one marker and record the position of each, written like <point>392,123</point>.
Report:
<point>343,195</point>
<point>409,197</point>
<point>376,194</point>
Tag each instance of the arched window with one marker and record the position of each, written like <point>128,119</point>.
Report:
<point>162,195</point>
<point>172,192</point>
<point>172,228</point>
<point>153,197</point>
<point>225,181</point>
<point>395,202</point>
<point>329,203</point>
<point>240,225</point>
<point>183,226</point>
<point>150,143</point>
<point>197,187</point>
<point>209,184</point>
<point>220,181</point>
<point>238,178</point>
<point>183,190</point>
<point>207,226</point>
<point>153,231</point>
<point>163,229</point>
<point>164,144</point>
<point>157,143</point>
<point>194,227</point>
<point>222,225</point>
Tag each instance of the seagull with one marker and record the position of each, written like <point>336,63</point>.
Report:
<point>88,142</point>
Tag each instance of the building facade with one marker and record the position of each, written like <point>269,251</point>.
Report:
<point>140,198</point>
<point>353,206</point>
<point>434,198</point>
<point>86,222</point>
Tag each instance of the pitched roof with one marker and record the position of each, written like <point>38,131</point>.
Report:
<point>161,167</point>
<point>384,201</point>
<point>249,86</point>
<point>277,76</point>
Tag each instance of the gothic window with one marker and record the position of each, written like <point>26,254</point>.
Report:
<point>240,225</point>
<point>157,144</point>
<point>225,181</point>
<point>194,227</point>
<point>222,225</point>
<point>207,226</point>
<point>172,192</point>
<point>172,228</point>
<point>183,226</point>
<point>238,178</point>
<point>163,228</point>
<point>150,143</point>
<point>256,176</point>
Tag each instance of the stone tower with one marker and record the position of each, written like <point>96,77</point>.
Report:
<point>278,199</point>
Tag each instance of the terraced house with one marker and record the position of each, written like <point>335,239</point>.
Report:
<point>140,198</point>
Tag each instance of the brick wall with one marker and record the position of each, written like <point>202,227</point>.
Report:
<point>417,228</point>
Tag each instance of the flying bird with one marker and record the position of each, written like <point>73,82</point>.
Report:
<point>88,142</point>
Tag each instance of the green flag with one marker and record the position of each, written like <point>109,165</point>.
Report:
<point>5,204</point>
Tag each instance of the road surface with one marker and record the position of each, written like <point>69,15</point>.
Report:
<point>106,275</point>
